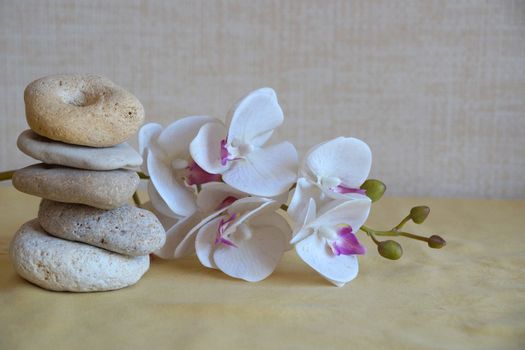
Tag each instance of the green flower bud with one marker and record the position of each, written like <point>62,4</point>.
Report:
<point>436,242</point>
<point>390,249</point>
<point>374,189</point>
<point>419,214</point>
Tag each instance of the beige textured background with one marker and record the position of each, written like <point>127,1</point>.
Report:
<point>437,88</point>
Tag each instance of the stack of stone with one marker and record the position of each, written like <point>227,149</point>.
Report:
<point>86,237</point>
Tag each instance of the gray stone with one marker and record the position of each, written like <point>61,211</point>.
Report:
<point>127,230</point>
<point>82,157</point>
<point>56,264</point>
<point>100,189</point>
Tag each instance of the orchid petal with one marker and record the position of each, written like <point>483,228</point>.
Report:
<point>205,148</point>
<point>338,269</point>
<point>247,204</point>
<point>252,259</point>
<point>265,172</point>
<point>254,118</point>
<point>205,243</point>
<point>249,207</point>
<point>302,229</point>
<point>303,192</point>
<point>187,244</point>
<point>277,221</point>
<point>213,194</point>
<point>158,203</point>
<point>175,235</point>
<point>352,212</point>
<point>176,137</point>
<point>147,134</point>
<point>348,159</point>
<point>177,197</point>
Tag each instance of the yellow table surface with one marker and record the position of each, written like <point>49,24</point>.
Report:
<point>469,295</point>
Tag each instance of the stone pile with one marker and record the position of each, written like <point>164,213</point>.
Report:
<point>86,237</point>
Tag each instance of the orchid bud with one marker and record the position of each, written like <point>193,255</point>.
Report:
<point>390,249</point>
<point>419,214</point>
<point>374,189</point>
<point>436,242</point>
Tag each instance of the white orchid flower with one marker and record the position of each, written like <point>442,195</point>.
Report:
<point>326,240</point>
<point>173,174</point>
<point>246,241</point>
<point>213,199</point>
<point>331,170</point>
<point>238,150</point>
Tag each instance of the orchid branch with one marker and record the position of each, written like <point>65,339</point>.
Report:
<point>6,175</point>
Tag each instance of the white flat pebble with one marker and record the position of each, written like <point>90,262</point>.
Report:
<point>60,265</point>
<point>82,157</point>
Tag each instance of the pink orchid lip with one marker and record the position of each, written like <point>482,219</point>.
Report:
<point>225,155</point>
<point>347,243</point>
<point>344,190</point>
<point>223,225</point>
<point>198,176</point>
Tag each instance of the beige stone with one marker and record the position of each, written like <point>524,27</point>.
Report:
<point>82,157</point>
<point>61,265</point>
<point>126,230</point>
<point>100,189</point>
<point>80,109</point>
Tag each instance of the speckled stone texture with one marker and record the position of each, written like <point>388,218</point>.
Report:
<point>82,109</point>
<point>127,230</point>
<point>100,189</point>
<point>82,157</point>
<point>61,265</point>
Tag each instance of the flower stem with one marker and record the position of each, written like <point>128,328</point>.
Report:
<point>6,175</point>
<point>136,199</point>
<point>370,233</point>
<point>393,232</point>
<point>142,175</point>
<point>402,223</point>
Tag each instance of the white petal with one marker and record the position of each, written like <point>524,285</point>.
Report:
<point>178,198</point>
<point>336,283</point>
<point>302,230</point>
<point>249,207</point>
<point>187,245</point>
<point>265,172</point>
<point>303,192</point>
<point>314,251</point>
<point>247,204</point>
<point>212,194</point>
<point>158,203</point>
<point>205,243</point>
<point>342,196</point>
<point>278,222</point>
<point>253,259</point>
<point>175,235</point>
<point>176,138</point>
<point>205,148</point>
<point>147,134</point>
<point>348,159</point>
<point>166,221</point>
<point>351,212</point>
<point>144,165</point>
<point>255,117</point>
